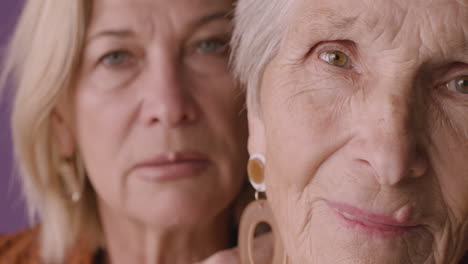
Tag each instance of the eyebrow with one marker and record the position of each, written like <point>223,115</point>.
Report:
<point>215,16</point>
<point>126,33</point>
<point>120,33</point>
<point>343,23</point>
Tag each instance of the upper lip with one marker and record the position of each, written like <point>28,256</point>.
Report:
<point>172,157</point>
<point>369,217</point>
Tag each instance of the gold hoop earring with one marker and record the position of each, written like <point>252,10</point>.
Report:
<point>72,172</point>
<point>257,212</point>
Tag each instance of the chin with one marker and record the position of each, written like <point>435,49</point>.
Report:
<point>177,208</point>
<point>343,250</point>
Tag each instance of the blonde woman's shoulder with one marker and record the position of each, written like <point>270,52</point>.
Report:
<point>23,248</point>
<point>20,247</point>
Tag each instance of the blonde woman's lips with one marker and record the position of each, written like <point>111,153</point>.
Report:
<point>171,166</point>
<point>371,223</point>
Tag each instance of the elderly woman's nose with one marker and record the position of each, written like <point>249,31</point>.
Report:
<point>392,141</point>
<point>167,98</point>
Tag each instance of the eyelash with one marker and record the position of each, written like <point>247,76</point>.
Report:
<point>223,42</point>
<point>127,54</point>
<point>331,46</point>
<point>324,47</point>
<point>451,78</point>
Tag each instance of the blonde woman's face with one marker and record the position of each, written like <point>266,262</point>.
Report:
<point>157,114</point>
<point>365,130</point>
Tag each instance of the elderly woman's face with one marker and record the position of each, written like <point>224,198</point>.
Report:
<point>157,113</point>
<point>365,129</point>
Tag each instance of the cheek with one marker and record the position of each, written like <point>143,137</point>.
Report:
<point>449,154</point>
<point>298,211</point>
<point>222,105</point>
<point>303,127</point>
<point>305,123</point>
<point>449,151</point>
<point>103,121</point>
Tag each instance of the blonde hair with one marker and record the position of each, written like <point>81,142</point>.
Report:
<point>42,59</point>
<point>259,28</point>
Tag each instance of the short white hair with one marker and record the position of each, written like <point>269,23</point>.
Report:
<point>259,28</point>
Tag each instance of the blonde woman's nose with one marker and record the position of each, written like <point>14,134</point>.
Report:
<point>168,98</point>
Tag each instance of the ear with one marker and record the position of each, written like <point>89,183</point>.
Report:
<point>62,132</point>
<point>256,142</point>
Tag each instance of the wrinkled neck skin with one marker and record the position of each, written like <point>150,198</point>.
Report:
<point>130,241</point>
<point>446,251</point>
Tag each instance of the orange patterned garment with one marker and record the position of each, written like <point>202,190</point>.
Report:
<point>22,248</point>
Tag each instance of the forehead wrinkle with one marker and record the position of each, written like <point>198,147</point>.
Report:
<point>328,23</point>
<point>385,25</point>
<point>324,21</point>
<point>338,21</point>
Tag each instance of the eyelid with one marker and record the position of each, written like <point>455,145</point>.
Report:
<point>217,39</point>
<point>456,71</point>
<point>345,46</point>
<point>129,58</point>
<point>106,54</point>
<point>195,45</point>
<point>447,84</point>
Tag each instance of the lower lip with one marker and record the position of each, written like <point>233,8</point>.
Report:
<point>371,228</point>
<point>171,171</point>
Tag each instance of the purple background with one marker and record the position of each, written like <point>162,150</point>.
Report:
<point>12,209</point>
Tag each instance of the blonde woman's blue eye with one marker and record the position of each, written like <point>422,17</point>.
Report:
<point>335,58</point>
<point>116,58</point>
<point>459,84</point>
<point>212,46</point>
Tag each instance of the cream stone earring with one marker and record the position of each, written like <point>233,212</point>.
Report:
<point>72,172</point>
<point>257,212</point>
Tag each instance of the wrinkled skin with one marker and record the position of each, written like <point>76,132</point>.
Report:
<point>154,80</point>
<point>366,155</point>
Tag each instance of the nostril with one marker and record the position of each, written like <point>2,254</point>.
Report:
<point>363,164</point>
<point>419,167</point>
<point>415,172</point>
<point>154,120</point>
<point>189,116</point>
<point>419,164</point>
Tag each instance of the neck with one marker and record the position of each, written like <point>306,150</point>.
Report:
<point>129,241</point>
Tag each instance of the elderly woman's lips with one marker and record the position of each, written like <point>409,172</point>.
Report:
<point>395,224</point>
<point>171,166</point>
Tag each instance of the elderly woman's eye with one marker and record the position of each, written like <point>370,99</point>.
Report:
<point>116,58</point>
<point>335,57</point>
<point>216,46</point>
<point>459,84</point>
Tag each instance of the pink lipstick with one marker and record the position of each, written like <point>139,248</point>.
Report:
<point>374,224</point>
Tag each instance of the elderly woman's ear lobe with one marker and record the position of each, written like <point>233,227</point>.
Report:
<point>256,143</point>
<point>62,134</point>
